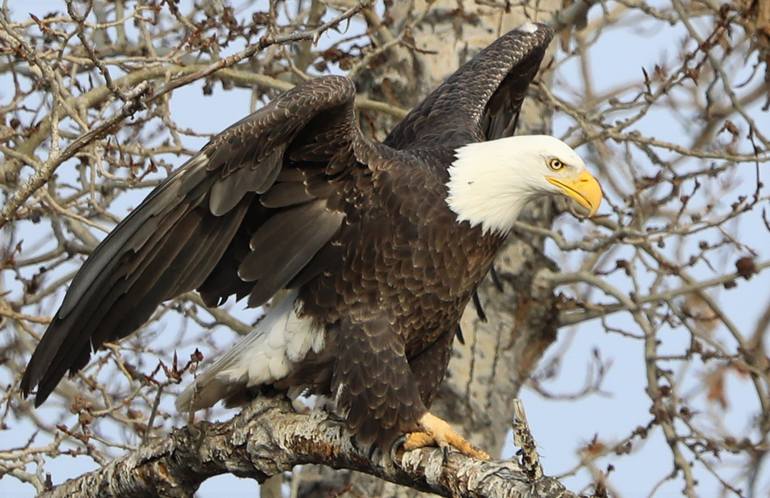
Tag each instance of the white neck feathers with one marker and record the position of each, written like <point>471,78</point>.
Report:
<point>488,186</point>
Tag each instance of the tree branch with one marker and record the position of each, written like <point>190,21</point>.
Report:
<point>268,438</point>
<point>186,76</point>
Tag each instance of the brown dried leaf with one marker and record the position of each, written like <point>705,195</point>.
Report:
<point>746,267</point>
<point>715,383</point>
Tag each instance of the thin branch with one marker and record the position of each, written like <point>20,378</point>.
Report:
<point>43,174</point>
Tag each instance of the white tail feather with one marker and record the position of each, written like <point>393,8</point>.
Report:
<point>269,353</point>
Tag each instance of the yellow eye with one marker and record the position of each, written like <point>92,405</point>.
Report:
<point>555,164</point>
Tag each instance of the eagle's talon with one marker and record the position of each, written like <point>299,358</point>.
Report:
<point>398,445</point>
<point>439,433</point>
<point>372,451</point>
<point>415,440</point>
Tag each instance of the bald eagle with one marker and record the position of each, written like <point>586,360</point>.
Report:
<point>368,252</point>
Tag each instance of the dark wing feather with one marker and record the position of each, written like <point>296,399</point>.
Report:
<point>501,114</point>
<point>284,245</point>
<point>286,194</point>
<point>202,218</point>
<point>227,191</point>
<point>481,99</point>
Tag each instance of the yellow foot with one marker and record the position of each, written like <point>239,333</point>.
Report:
<point>437,432</point>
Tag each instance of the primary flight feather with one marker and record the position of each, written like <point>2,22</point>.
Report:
<point>369,251</point>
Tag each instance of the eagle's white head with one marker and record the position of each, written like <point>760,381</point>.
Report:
<point>490,182</point>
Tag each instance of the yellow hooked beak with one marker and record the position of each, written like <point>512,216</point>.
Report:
<point>584,189</point>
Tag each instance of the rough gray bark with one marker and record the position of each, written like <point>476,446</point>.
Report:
<point>269,437</point>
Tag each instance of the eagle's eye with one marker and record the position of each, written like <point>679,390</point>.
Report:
<point>555,164</point>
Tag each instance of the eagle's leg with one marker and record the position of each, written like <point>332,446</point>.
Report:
<point>372,383</point>
<point>437,432</point>
<point>429,368</point>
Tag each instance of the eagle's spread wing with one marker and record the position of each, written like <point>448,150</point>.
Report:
<point>482,99</point>
<point>244,216</point>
